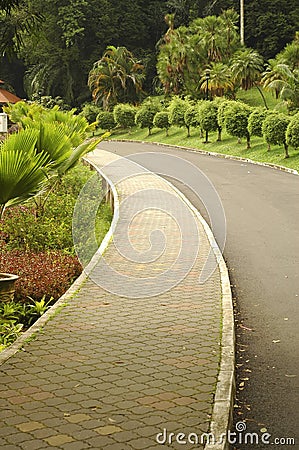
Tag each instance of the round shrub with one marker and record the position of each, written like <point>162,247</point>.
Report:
<point>191,118</point>
<point>161,120</point>
<point>177,109</point>
<point>124,115</point>
<point>106,120</point>
<point>207,117</point>
<point>255,122</point>
<point>292,134</point>
<point>90,112</point>
<point>274,130</point>
<point>145,116</point>
<point>222,107</point>
<point>236,120</point>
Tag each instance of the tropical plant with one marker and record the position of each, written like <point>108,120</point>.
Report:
<point>219,80</point>
<point>247,66</point>
<point>23,171</point>
<point>283,81</point>
<point>116,77</point>
<point>161,120</point>
<point>274,130</point>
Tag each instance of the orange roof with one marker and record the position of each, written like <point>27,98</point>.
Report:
<point>8,97</point>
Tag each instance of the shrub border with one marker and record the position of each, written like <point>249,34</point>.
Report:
<point>37,327</point>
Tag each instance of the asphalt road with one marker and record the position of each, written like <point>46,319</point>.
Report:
<point>262,252</point>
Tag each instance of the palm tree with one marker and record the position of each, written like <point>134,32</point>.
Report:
<point>220,79</point>
<point>284,82</point>
<point>116,77</point>
<point>290,55</point>
<point>173,61</point>
<point>211,35</point>
<point>247,65</point>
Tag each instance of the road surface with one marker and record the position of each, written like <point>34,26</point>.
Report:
<point>262,252</point>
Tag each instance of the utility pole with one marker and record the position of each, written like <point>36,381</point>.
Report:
<point>242,21</point>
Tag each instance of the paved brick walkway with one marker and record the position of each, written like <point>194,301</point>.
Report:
<point>110,372</point>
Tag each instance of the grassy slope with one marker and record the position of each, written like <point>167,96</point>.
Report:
<point>229,145</point>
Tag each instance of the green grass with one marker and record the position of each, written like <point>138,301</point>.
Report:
<point>253,98</point>
<point>228,145</point>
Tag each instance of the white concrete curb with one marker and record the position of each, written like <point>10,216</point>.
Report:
<point>218,155</point>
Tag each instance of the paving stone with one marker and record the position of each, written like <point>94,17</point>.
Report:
<point>110,372</point>
<point>59,439</point>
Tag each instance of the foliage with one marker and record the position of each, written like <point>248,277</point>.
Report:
<point>186,52</point>
<point>236,120</point>
<point>177,109</point>
<point>222,107</point>
<point>145,115</point>
<point>292,135</point>
<point>116,77</point>
<point>124,115</point>
<point>90,112</point>
<point>220,80</point>
<point>22,170</point>
<point>274,130</point>
<point>282,75</point>
<point>48,274</point>
<point>161,120</point>
<point>22,229</point>
<point>191,117</point>
<point>255,121</point>
<point>247,65</point>
<point>207,117</point>
<point>105,120</point>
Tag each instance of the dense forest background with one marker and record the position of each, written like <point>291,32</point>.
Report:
<point>50,45</point>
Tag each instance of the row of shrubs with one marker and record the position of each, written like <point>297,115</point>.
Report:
<point>235,117</point>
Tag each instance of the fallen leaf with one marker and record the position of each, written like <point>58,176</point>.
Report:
<point>263,430</point>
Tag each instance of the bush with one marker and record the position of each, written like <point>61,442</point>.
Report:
<point>106,120</point>
<point>292,134</point>
<point>145,116</point>
<point>124,115</point>
<point>255,121</point>
<point>207,118</point>
<point>161,120</point>
<point>177,110</point>
<point>274,130</point>
<point>90,112</point>
<point>41,274</point>
<point>191,118</point>
<point>236,120</point>
<point>222,107</point>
